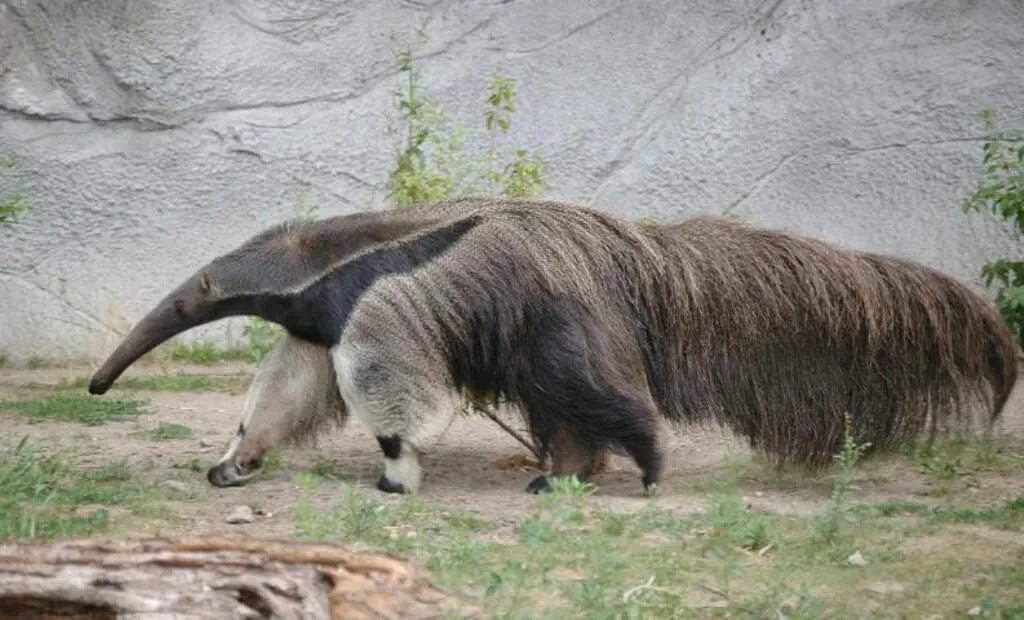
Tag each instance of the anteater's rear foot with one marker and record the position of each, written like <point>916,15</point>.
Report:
<point>538,485</point>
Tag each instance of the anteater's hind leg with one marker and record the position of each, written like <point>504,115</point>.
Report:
<point>570,457</point>
<point>583,379</point>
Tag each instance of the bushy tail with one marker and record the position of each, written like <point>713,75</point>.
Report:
<point>781,337</point>
<point>1003,360</point>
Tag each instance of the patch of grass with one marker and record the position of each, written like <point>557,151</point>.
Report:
<point>178,382</point>
<point>730,521</point>
<point>943,461</point>
<point>201,353</point>
<point>172,382</point>
<point>949,459</point>
<point>272,461</point>
<point>169,431</point>
<point>41,496</point>
<point>1008,515</point>
<point>330,470</point>
<point>567,560</point>
<point>87,410</point>
<point>193,464</point>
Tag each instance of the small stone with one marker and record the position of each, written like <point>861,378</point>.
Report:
<point>241,514</point>
<point>174,485</point>
<point>205,443</point>
<point>974,611</point>
<point>856,559</point>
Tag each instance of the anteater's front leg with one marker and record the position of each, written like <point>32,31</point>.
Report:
<point>400,398</point>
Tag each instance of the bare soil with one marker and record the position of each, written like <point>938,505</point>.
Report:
<point>462,471</point>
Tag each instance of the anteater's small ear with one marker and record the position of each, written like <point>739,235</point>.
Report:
<point>205,284</point>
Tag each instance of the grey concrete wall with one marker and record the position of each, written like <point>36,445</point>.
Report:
<point>152,136</point>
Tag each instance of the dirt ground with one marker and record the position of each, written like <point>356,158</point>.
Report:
<point>461,471</point>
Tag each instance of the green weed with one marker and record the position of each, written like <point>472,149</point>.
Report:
<point>87,410</point>
<point>262,335</point>
<point>732,522</point>
<point>178,382</point>
<point>201,353</point>
<point>272,461</point>
<point>168,431</point>
<point>1001,192</point>
<point>430,162</point>
<point>829,524</point>
<point>11,205</point>
<point>1009,515</point>
<point>193,464</point>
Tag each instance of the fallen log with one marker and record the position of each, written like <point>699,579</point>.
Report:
<point>210,578</point>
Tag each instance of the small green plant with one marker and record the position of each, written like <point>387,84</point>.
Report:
<point>1002,192</point>
<point>306,210</point>
<point>942,462</point>
<point>428,143</point>
<point>570,487</point>
<point>430,162</point>
<point>829,524</point>
<point>732,522</point>
<point>193,464</point>
<point>272,461</point>
<point>12,205</point>
<point>203,353</point>
<point>86,410</point>
<point>523,175</point>
<point>262,335</point>
<point>563,504</point>
<point>168,431</point>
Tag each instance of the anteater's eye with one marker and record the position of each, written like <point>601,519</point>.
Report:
<point>179,307</point>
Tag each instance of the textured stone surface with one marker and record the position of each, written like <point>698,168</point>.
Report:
<point>154,135</point>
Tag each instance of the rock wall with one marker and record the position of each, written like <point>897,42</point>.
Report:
<point>151,136</point>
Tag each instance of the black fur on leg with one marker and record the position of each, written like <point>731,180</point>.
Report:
<point>389,487</point>
<point>570,372</point>
<point>539,484</point>
<point>391,446</point>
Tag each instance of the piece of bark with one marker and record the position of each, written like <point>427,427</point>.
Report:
<point>211,578</point>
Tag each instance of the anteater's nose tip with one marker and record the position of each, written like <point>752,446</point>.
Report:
<point>98,386</point>
<point>218,478</point>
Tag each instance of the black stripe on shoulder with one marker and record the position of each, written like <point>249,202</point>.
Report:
<point>320,312</point>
